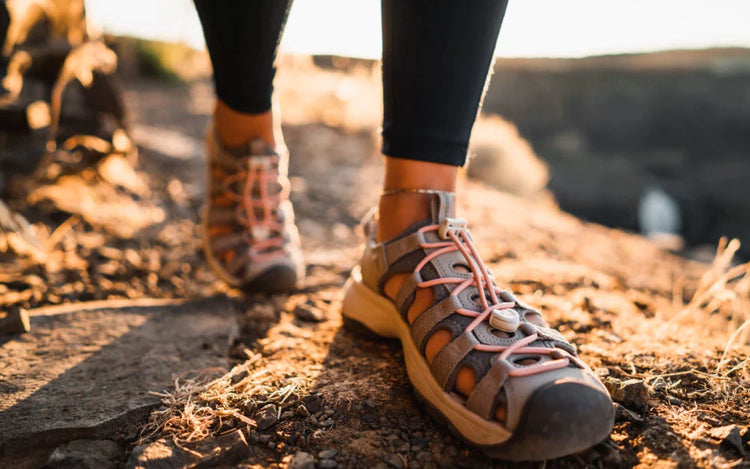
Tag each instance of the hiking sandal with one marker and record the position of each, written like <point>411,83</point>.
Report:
<point>532,399</point>
<point>249,235</point>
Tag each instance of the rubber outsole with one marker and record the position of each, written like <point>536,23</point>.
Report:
<point>558,419</point>
<point>276,279</point>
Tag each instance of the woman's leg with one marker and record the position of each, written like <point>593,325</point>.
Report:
<point>249,233</point>
<point>436,58</point>
<point>523,393</point>
<point>242,39</point>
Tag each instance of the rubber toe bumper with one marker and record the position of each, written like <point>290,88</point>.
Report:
<point>277,279</point>
<point>559,419</point>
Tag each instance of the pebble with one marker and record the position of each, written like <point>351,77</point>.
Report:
<point>328,454</point>
<point>239,376</point>
<point>729,437</point>
<point>287,414</point>
<point>308,313</point>
<point>419,442</point>
<point>15,322</point>
<point>302,411</point>
<point>301,460</point>
<point>395,461</point>
<point>266,417</point>
<point>631,393</point>
<point>623,413</point>
<point>264,439</point>
<point>327,464</point>
<point>312,402</point>
<point>327,423</point>
<point>424,456</point>
<point>371,403</point>
<point>262,312</point>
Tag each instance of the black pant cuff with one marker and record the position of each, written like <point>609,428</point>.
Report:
<point>425,149</point>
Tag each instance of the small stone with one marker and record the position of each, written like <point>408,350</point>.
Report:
<point>287,414</point>
<point>308,313</point>
<point>327,464</point>
<point>15,322</point>
<point>419,442</point>
<point>395,461</point>
<point>327,423</point>
<point>239,376</point>
<point>89,454</point>
<point>631,393</point>
<point>302,411</point>
<point>262,312</point>
<point>423,456</point>
<point>264,439</point>
<point>302,460</point>
<point>623,413</point>
<point>254,437</point>
<point>729,438</point>
<point>266,417</point>
<point>328,454</point>
<point>312,402</point>
<point>404,448</point>
<point>371,403</point>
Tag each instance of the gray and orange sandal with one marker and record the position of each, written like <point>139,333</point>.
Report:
<point>529,397</point>
<point>249,234</point>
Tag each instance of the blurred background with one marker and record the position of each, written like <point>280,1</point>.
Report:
<point>633,114</point>
<point>640,109</point>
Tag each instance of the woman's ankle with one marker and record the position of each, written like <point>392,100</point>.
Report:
<point>399,210</point>
<point>236,129</point>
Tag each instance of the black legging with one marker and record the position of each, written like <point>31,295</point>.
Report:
<point>436,55</point>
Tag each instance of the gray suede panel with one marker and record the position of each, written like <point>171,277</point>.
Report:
<point>483,397</point>
<point>397,249</point>
<point>424,325</point>
<point>445,365</point>
<point>406,293</point>
<point>443,206</point>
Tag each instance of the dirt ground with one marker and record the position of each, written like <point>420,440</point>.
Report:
<point>658,329</point>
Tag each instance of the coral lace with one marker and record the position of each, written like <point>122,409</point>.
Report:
<point>460,240</point>
<point>257,207</point>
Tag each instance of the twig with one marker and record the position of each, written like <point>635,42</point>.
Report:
<point>730,343</point>
<point>60,231</point>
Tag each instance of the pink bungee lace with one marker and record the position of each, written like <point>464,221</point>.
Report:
<point>259,229</point>
<point>460,240</point>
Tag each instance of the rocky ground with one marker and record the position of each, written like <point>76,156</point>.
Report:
<point>294,388</point>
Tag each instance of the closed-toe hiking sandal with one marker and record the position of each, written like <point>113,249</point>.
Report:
<point>249,234</point>
<point>532,399</point>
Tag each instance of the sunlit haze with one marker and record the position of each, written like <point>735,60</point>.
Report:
<point>532,28</point>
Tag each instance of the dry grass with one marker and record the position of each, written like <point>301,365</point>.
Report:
<point>197,409</point>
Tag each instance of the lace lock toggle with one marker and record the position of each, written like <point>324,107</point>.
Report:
<point>506,320</point>
<point>260,162</point>
<point>451,225</point>
<point>260,232</point>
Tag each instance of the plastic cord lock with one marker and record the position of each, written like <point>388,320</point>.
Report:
<point>451,225</point>
<point>506,320</point>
